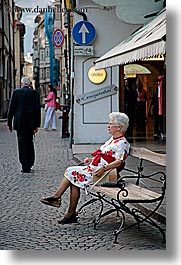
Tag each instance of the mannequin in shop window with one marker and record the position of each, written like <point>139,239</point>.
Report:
<point>130,96</point>
<point>141,110</point>
<point>156,105</point>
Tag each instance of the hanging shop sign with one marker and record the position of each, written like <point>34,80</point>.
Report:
<point>97,94</point>
<point>83,50</point>
<point>97,76</point>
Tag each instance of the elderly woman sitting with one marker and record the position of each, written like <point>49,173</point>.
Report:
<point>111,155</point>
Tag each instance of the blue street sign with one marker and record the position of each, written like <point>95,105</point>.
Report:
<point>83,33</point>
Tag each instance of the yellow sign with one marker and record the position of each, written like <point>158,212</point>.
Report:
<point>96,76</point>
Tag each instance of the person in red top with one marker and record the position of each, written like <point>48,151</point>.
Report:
<point>51,107</point>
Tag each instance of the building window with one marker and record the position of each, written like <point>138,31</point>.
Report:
<point>57,12</point>
<point>47,54</point>
<point>41,54</point>
<point>47,72</point>
<point>41,73</point>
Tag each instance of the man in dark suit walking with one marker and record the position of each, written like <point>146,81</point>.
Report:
<point>25,111</point>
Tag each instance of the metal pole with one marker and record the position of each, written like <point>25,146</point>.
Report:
<point>71,98</point>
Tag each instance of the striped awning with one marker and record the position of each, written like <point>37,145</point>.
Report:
<point>146,42</point>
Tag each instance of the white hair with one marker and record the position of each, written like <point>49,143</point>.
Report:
<point>26,81</point>
<point>120,118</point>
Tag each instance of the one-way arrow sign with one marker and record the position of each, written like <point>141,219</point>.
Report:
<point>83,33</point>
<point>83,30</point>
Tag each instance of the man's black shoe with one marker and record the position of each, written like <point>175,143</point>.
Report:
<point>26,171</point>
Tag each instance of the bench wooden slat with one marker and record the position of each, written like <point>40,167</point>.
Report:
<point>134,192</point>
<point>159,159</point>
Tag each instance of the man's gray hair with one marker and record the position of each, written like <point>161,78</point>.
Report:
<point>120,118</point>
<point>26,81</point>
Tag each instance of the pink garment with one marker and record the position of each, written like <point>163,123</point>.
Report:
<point>51,97</point>
<point>160,94</point>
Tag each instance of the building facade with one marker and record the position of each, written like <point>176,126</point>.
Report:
<point>19,32</point>
<point>28,67</point>
<point>92,116</point>
<point>113,23</point>
<point>91,28</point>
<point>12,32</point>
<point>7,58</point>
<point>42,60</point>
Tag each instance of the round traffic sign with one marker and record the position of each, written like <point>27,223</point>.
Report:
<point>83,32</point>
<point>58,38</point>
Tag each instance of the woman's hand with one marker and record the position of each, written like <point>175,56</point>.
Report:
<point>99,171</point>
<point>87,160</point>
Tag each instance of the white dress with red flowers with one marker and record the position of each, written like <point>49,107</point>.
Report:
<point>80,176</point>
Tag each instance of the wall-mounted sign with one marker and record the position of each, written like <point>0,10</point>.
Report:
<point>58,38</point>
<point>96,76</point>
<point>83,32</point>
<point>97,94</point>
<point>83,50</point>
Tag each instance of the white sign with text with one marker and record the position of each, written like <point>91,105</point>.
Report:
<point>97,94</point>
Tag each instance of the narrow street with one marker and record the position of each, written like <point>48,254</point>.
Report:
<point>26,224</point>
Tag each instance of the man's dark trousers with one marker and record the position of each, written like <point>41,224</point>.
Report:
<point>26,148</point>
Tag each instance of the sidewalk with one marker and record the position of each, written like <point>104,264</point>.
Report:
<point>26,224</point>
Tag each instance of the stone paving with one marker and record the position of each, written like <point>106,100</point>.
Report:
<point>26,224</point>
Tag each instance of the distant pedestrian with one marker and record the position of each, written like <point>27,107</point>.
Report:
<point>130,98</point>
<point>141,110</point>
<point>51,107</point>
<point>153,108</point>
<point>25,112</point>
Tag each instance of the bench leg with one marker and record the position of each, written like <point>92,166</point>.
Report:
<point>97,220</point>
<point>87,203</point>
<point>139,218</point>
<point>151,222</point>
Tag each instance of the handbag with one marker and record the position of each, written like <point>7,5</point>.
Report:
<point>57,105</point>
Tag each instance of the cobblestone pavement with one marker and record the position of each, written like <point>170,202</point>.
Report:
<point>27,224</point>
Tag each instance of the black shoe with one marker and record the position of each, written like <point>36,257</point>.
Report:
<point>68,219</point>
<point>51,201</point>
<point>26,170</point>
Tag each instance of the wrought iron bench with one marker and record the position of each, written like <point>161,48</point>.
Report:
<point>137,194</point>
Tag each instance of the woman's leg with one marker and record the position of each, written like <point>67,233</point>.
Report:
<point>54,126</point>
<point>55,199</point>
<point>73,201</point>
<point>65,183</point>
<point>47,118</point>
<point>74,195</point>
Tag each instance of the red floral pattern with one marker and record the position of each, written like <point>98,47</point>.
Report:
<point>83,175</point>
